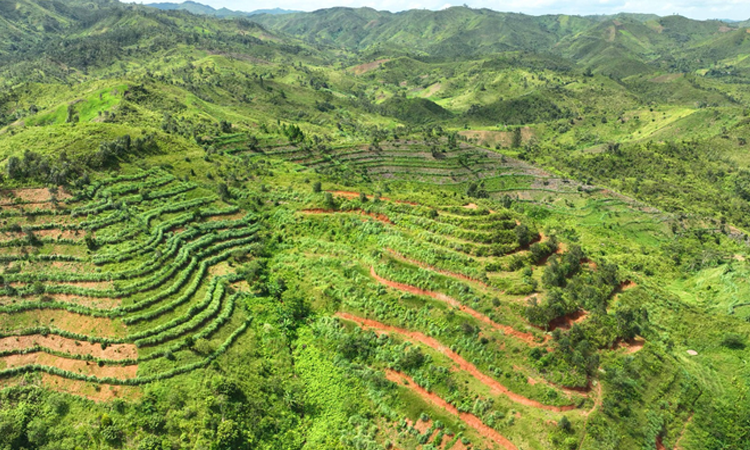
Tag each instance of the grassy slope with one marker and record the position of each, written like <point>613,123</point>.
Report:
<point>650,393</point>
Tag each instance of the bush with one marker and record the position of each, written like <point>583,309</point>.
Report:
<point>733,341</point>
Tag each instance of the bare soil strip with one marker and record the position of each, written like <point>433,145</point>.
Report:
<point>71,365</point>
<point>495,387</point>
<point>351,195</point>
<point>470,419</point>
<point>526,337</point>
<point>70,346</point>
<point>95,392</point>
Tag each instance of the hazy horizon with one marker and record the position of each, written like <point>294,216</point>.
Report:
<point>700,10</point>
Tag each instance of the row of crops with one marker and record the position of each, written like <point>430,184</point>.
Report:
<point>149,244</point>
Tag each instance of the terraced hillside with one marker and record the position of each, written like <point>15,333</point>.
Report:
<point>373,234</point>
<point>121,284</point>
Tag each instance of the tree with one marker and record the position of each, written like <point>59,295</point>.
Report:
<point>316,187</point>
<point>517,138</point>
<point>564,424</point>
<point>72,116</point>
<point>523,235</point>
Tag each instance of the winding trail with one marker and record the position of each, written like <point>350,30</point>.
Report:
<point>495,387</point>
<point>527,337</point>
<point>682,433</point>
<point>470,419</point>
<point>587,414</point>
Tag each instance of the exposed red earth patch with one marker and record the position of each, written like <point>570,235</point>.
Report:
<point>632,345</point>
<point>63,320</point>
<point>71,365</point>
<point>625,285</point>
<point>475,206</point>
<point>95,392</point>
<point>660,444</point>
<point>94,302</point>
<point>35,195</point>
<point>566,322</point>
<point>527,337</point>
<point>379,217</point>
<point>470,419</point>
<point>352,195</point>
<point>70,346</point>
<point>423,265</point>
<point>494,386</point>
<point>367,67</point>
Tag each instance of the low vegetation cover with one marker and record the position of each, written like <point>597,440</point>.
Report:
<point>356,229</point>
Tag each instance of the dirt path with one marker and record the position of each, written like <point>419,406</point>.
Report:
<point>587,414</point>
<point>495,387</point>
<point>470,419</point>
<point>70,346</point>
<point>527,337</point>
<point>447,273</point>
<point>379,217</point>
<point>682,433</point>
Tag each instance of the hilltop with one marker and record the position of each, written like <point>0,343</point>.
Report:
<point>198,8</point>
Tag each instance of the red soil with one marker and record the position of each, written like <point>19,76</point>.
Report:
<point>71,365</point>
<point>364,68</point>
<point>97,393</point>
<point>63,320</point>
<point>470,419</point>
<point>38,195</point>
<point>659,444</point>
<point>494,385</point>
<point>566,322</point>
<point>94,302</point>
<point>475,206</point>
<point>625,285</point>
<point>379,217</point>
<point>351,194</point>
<point>632,345</point>
<point>423,265</point>
<point>527,337</point>
<point>52,233</point>
<point>73,347</point>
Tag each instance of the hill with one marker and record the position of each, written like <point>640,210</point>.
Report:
<point>359,229</point>
<point>198,8</point>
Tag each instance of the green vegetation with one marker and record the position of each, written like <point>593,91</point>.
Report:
<point>358,229</point>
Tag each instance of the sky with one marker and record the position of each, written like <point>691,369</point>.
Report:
<point>696,9</point>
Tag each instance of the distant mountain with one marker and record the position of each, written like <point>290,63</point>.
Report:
<point>198,8</point>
